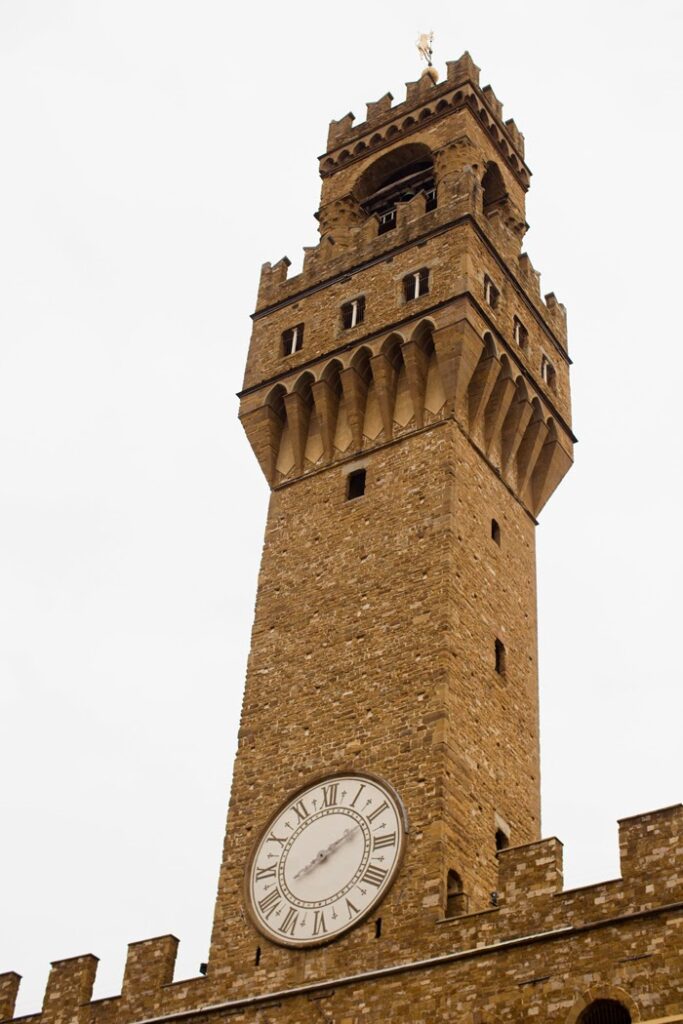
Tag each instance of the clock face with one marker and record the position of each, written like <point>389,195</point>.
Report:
<point>325,859</point>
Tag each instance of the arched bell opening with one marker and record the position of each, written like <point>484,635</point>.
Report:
<point>395,178</point>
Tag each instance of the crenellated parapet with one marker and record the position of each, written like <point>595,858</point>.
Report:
<point>351,242</point>
<point>530,899</point>
<point>426,100</point>
<point>530,914</point>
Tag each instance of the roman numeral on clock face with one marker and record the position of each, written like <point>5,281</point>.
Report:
<point>374,875</point>
<point>270,902</point>
<point>272,838</point>
<point>351,909</point>
<point>330,794</point>
<point>263,873</point>
<point>379,841</point>
<point>360,790</point>
<point>384,806</point>
<point>319,923</point>
<point>289,923</point>
<point>299,809</point>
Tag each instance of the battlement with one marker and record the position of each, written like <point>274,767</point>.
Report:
<point>426,98</point>
<point>530,901</point>
<point>459,197</point>
<point>147,976</point>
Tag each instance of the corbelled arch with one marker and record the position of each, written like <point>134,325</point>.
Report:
<point>327,395</point>
<point>422,368</point>
<point>393,394</point>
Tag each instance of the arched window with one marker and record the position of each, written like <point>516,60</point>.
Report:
<point>456,900</point>
<point>605,1011</point>
<point>493,186</point>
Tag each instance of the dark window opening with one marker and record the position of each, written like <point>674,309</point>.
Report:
<point>353,312</point>
<point>387,221</point>
<point>416,284</point>
<point>502,840</point>
<point>203,968</point>
<point>292,340</point>
<point>605,1011</point>
<point>500,657</point>
<point>521,334</point>
<point>495,531</point>
<point>430,196</point>
<point>355,485</point>
<point>257,957</point>
<point>456,900</point>
<point>378,928</point>
<point>491,293</point>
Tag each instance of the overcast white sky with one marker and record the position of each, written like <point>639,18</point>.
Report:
<point>154,154</point>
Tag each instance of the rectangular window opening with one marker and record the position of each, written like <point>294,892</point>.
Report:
<point>387,221</point>
<point>491,293</point>
<point>353,312</point>
<point>292,340</point>
<point>416,284</point>
<point>355,484</point>
<point>521,334</point>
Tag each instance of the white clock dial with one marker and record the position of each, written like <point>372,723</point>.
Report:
<point>325,859</point>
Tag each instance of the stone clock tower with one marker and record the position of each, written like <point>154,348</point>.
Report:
<point>407,398</point>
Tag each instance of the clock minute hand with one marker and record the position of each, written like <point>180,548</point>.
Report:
<point>323,855</point>
<point>348,832</point>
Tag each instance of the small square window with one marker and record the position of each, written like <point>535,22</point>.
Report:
<point>353,313</point>
<point>416,284</point>
<point>491,293</point>
<point>521,334</point>
<point>292,340</point>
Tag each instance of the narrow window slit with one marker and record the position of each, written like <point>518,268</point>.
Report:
<point>495,531</point>
<point>500,657</point>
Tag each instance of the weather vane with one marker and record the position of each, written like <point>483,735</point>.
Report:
<point>424,46</point>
